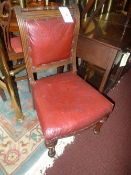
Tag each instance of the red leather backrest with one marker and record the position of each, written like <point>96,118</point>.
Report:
<point>50,40</point>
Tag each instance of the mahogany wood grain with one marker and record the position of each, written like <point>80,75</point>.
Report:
<point>110,34</point>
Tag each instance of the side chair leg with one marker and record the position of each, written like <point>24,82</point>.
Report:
<point>51,148</point>
<point>60,69</point>
<point>98,125</point>
<point>2,94</point>
<point>14,96</point>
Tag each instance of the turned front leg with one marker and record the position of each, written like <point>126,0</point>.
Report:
<point>98,125</point>
<point>51,148</point>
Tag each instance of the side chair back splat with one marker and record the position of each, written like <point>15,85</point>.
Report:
<point>65,103</point>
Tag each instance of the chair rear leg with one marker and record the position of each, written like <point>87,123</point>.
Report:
<point>2,94</point>
<point>51,148</point>
<point>99,124</point>
<point>60,69</point>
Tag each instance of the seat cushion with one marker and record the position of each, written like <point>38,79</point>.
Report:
<point>16,44</point>
<point>65,104</point>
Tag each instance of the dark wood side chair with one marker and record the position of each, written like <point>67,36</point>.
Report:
<point>11,42</point>
<point>64,102</point>
<point>14,62</point>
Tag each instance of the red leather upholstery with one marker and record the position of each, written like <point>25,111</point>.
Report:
<point>53,33</point>
<point>16,44</point>
<point>65,104</point>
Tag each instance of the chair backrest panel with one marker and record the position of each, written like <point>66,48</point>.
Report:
<point>46,39</point>
<point>53,42</point>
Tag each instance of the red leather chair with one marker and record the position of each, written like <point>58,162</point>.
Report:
<point>65,103</point>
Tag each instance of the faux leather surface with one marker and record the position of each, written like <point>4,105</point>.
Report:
<point>65,104</point>
<point>16,44</point>
<point>52,42</point>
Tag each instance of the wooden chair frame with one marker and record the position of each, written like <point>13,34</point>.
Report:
<point>44,13</point>
<point>37,13</point>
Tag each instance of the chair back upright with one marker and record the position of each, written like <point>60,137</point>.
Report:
<point>5,17</point>
<point>47,40</point>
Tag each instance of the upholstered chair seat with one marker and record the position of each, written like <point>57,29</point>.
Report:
<point>69,105</point>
